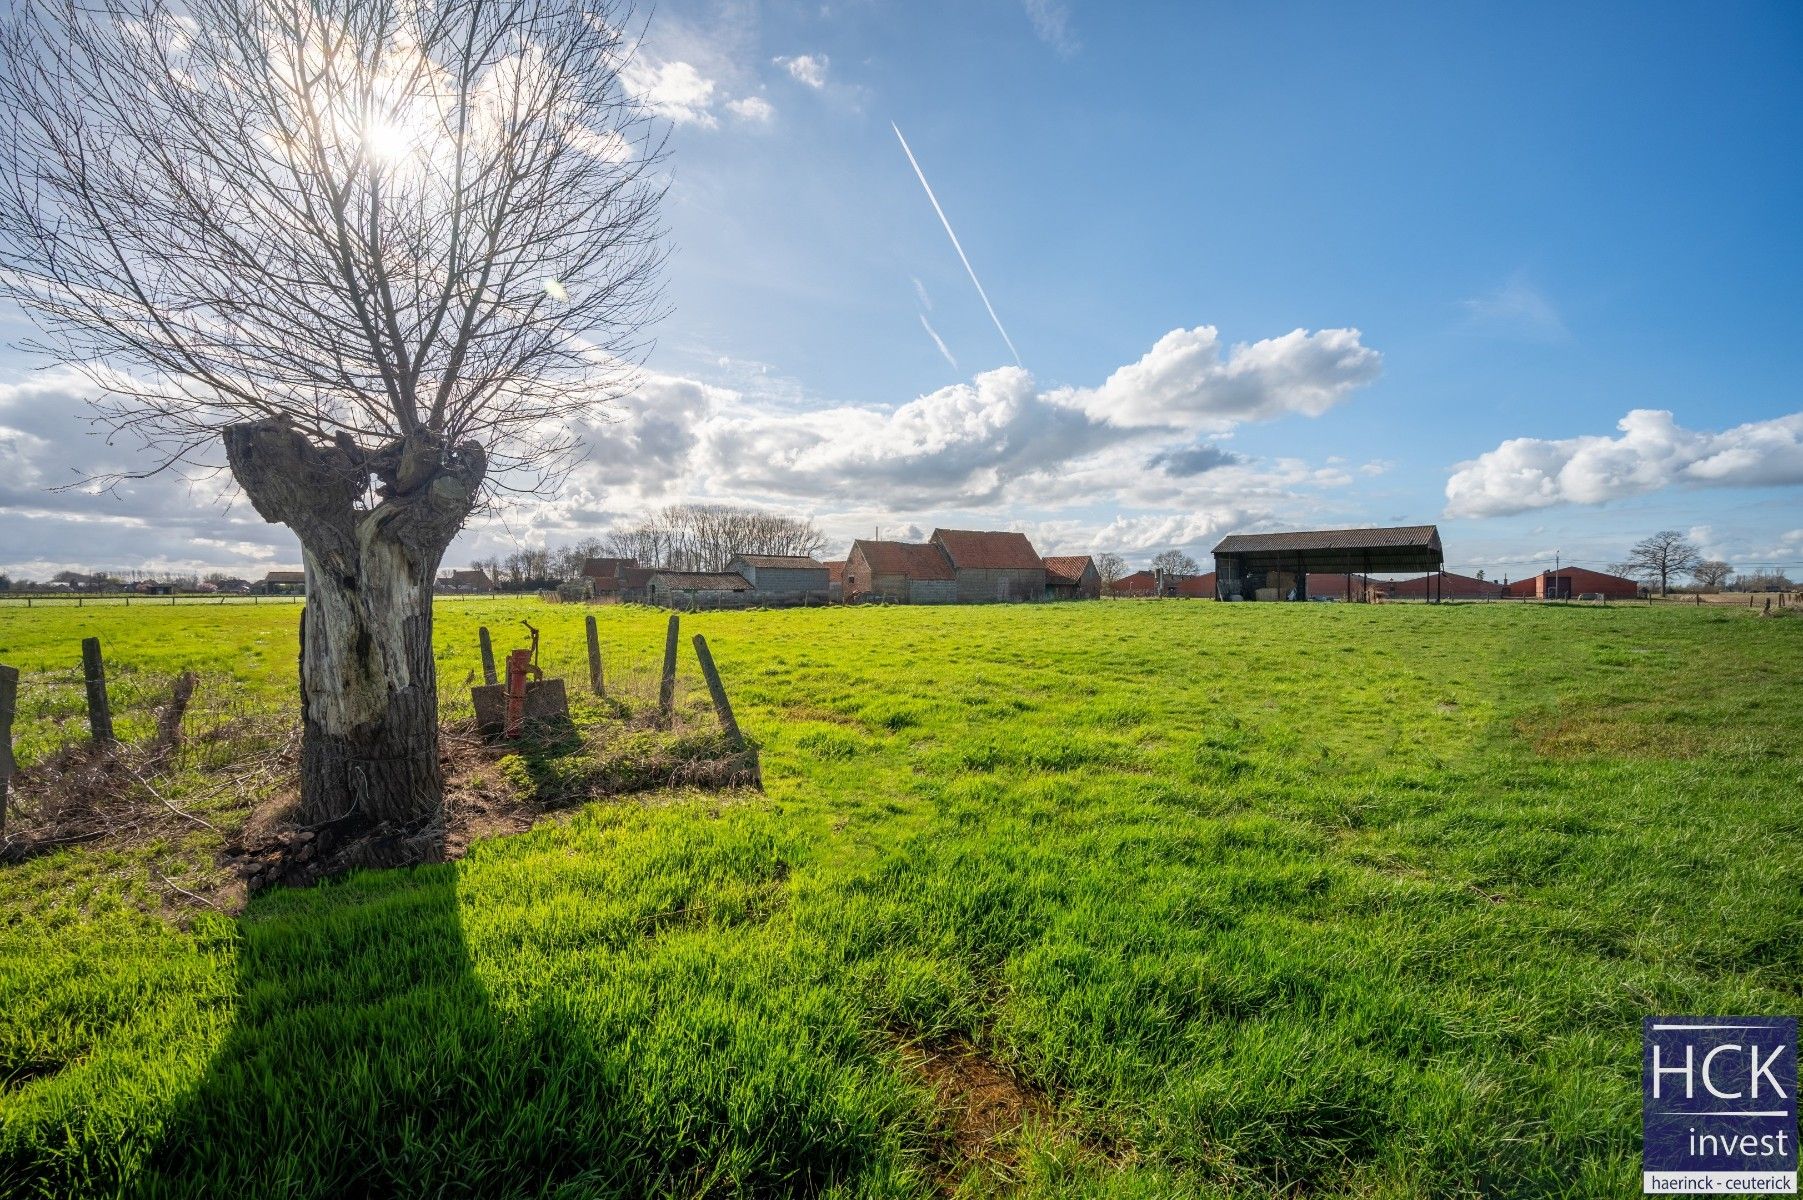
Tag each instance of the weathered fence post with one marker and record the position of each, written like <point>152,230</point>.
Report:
<point>595,682</point>
<point>722,708</point>
<point>666,690</point>
<point>100,717</point>
<point>488,656</point>
<point>9,703</point>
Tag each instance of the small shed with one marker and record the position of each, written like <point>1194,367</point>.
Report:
<point>1072,577</point>
<point>900,572</point>
<point>696,589</point>
<point>1276,566</point>
<point>284,583</point>
<point>784,578</point>
<point>992,564</point>
<point>473,580</point>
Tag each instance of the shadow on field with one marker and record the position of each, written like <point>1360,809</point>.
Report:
<point>624,1029</point>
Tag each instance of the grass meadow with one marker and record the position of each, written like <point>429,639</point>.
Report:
<point>1121,899</point>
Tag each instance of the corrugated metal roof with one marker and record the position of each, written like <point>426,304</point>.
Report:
<point>988,550</point>
<point>1402,536</point>
<point>702,581</point>
<point>784,562</point>
<point>1067,569</point>
<point>910,560</point>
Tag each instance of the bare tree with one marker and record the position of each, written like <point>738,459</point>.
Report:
<point>1112,568</point>
<point>705,537</point>
<point>1711,574</point>
<point>384,249</point>
<point>1661,556</point>
<point>1176,562</point>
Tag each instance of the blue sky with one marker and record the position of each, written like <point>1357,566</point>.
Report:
<point>1537,219</point>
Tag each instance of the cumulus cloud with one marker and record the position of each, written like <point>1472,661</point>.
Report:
<point>999,443</point>
<point>1652,452</point>
<point>808,69</point>
<point>751,108</point>
<point>675,91</point>
<point>1186,381</point>
<point>1194,459</point>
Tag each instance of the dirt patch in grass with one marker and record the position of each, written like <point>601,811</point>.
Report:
<point>1586,732</point>
<point>981,1109</point>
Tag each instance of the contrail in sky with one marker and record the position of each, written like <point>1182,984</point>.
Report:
<point>921,175</point>
<point>938,341</point>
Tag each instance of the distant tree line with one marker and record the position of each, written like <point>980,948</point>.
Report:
<point>681,537</point>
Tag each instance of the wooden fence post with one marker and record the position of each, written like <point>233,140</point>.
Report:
<point>488,656</point>
<point>595,682</point>
<point>666,690</point>
<point>100,716</point>
<point>9,703</point>
<point>722,708</point>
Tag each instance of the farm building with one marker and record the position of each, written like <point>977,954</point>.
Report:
<point>1572,581</point>
<point>992,564</point>
<point>1072,577</point>
<point>784,578</point>
<point>1147,584</point>
<point>1277,566</point>
<point>900,572</point>
<point>1340,586</point>
<point>606,577</point>
<point>835,580</point>
<point>697,589</point>
<point>1138,584</point>
<point>283,583</point>
<point>475,580</point>
<point>1445,586</point>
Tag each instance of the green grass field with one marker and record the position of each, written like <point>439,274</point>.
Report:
<point>1236,899</point>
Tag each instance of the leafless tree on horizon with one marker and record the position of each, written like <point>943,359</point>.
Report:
<point>386,251</point>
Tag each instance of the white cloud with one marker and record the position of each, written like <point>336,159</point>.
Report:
<point>808,69</point>
<point>1652,452</point>
<point>1184,382</point>
<point>999,444</point>
<point>675,91</point>
<point>1517,309</point>
<point>1052,23</point>
<point>751,108</point>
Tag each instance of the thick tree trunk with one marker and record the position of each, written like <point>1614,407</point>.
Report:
<point>369,692</point>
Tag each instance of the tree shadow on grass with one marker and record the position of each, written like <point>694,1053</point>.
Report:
<point>598,1010</point>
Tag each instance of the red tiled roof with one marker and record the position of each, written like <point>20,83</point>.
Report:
<point>607,568</point>
<point>988,550</point>
<point>835,571</point>
<point>635,577</point>
<point>910,560</point>
<point>1066,569</point>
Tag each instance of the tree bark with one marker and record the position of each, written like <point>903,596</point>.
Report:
<point>369,689</point>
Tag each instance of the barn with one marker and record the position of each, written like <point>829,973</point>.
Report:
<point>992,564</point>
<point>1568,582</point>
<point>900,572</point>
<point>1072,577</point>
<point>784,578</point>
<point>1277,566</point>
<point>697,589</point>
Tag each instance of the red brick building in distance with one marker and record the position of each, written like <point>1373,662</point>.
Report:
<point>1448,586</point>
<point>1569,582</point>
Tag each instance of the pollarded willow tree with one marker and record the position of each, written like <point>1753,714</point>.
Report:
<point>382,253</point>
